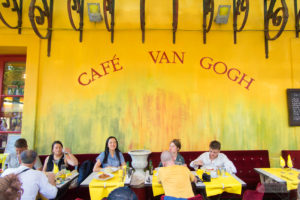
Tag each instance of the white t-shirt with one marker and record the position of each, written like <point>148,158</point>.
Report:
<point>220,161</point>
<point>12,161</point>
<point>33,181</point>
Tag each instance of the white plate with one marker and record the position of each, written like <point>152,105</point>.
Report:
<point>108,170</point>
<point>104,179</point>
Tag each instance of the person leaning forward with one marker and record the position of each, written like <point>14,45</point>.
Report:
<point>214,159</point>
<point>33,181</point>
<point>13,159</point>
<point>175,179</point>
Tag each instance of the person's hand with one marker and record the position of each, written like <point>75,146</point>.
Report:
<point>51,178</point>
<point>195,180</point>
<point>67,150</point>
<point>198,162</point>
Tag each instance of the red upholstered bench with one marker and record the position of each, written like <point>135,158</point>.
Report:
<point>295,155</point>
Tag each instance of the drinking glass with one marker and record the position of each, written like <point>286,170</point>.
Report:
<point>223,171</point>
<point>63,171</point>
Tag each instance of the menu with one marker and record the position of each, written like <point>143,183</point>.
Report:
<point>293,100</point>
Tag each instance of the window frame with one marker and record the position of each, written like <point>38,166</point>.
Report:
<point>4,59</point>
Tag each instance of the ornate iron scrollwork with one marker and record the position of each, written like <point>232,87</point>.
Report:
<point>297,18</point>
<point>208,8</point>
<point>277,20</point>
<point>109,7</point>
<point>175,19</point>
<point>142,18</point>
<point>238,7</point>
<point>40,20</point>
<point>16,8</point>
<point>78,6</point>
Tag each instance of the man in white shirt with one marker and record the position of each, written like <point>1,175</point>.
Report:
<point>33,181</point>
<point>214,159</point>
<point>13,159</point>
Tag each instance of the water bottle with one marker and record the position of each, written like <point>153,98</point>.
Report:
<point>150,167</point>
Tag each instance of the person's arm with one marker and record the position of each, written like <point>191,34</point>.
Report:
<point>45,164</point>
<point>229,166</point>
<point>122,159</point>
<point>51,178</point>
<point>192,177</point>
<point>197,162</point>
<point>160,175</point>
<point>6,172</point>
<point>47,186</point>
<point>70,158</point>
<point>99,160</point>
<point>97,166</point>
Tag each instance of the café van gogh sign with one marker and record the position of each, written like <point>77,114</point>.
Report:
<point>163,57</point>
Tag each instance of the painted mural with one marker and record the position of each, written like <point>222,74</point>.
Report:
<point>148,93</point>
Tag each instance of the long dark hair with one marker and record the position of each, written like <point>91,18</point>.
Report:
<point>117,151</point>
<point>54,143</point>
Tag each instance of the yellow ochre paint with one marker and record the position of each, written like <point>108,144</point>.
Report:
<point>160,90</point>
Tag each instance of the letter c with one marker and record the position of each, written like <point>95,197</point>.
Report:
<point>79,79</point>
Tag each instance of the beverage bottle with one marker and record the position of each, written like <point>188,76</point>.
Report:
<point>150,167</point>
<point>128,170</point>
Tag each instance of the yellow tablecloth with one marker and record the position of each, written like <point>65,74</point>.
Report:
<point>3,157</point>
<point>100,189</point>
<point>216,186</point>
<point>288,175</point>
<point>221,184</point>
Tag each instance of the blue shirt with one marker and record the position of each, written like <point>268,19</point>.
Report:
<point>111,161</point>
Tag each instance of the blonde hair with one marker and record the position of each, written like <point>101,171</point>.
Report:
<point>10,187</point>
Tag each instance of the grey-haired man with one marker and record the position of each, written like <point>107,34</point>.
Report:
<point>33,181</point>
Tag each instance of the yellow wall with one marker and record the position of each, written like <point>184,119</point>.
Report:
<point>146,104</point>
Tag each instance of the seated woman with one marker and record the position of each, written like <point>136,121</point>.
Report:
<point>59,157</point>
<point>174,148</point>
<point>111,157</point>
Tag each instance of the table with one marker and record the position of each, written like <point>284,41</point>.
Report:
<point>101,189</point>
<point>278,181</point>
<point>199,185</point>
<point>88,179</point>
<point>63,186</point>
<point>68,180</point>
